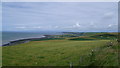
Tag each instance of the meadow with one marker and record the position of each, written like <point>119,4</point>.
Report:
<point>87,50</point>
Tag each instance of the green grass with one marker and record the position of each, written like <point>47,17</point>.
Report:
<point>63,51</point>
<point>48,53</point>
<point>102,56</point>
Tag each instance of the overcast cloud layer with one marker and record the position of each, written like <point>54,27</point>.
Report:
<point>60,16</point>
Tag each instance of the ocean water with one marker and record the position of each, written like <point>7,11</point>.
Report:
<point>11,36</point>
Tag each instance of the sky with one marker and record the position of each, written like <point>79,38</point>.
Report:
<point>60,16</point>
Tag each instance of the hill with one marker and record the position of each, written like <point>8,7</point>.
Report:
<point>90,50</point>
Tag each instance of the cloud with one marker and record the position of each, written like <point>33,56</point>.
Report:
<point>92,24</point>
<point>22,27</point>
<point>112,25</point>
<point>56,27</point>
<point>58,15</point>
<point>77,25</point>
<point>109,15</point>
<point>47,27</point>
<point>37,27</point>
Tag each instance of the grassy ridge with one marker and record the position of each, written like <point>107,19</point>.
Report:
<point>105,36</point>
<point>98,36</point>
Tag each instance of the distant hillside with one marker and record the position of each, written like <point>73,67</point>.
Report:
<point>105,36</point>
<point>97,36</point>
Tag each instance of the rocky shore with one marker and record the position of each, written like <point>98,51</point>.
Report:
<point>20,41</point>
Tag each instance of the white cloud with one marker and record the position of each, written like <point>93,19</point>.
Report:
<point>17,24</point>
<point>56,27</point>
<point>77,25</point>
<point>22,27</point>
<point>37,27</point>
<point>109,15</point>
<point>110,25</point>
<point>92,25</point>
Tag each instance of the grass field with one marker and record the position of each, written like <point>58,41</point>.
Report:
<point>61,53</point>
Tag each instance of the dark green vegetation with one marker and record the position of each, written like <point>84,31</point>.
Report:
<point>105,36</point>
<point>48,39</point>
<point>62,50</point>
<point>82,38</point>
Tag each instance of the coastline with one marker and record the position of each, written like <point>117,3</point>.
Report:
<point>8,37</point>
<point>26,40</point>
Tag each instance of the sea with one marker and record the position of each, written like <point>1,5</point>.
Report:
<point>12,36</point>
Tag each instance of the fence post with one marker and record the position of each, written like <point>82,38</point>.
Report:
<point>80,61</point>
<point>71,66</point>
<point>92,58</point>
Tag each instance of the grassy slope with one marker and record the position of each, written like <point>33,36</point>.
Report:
<point>102,56</point>
<point>62,52</point>
<point>46,53</point>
